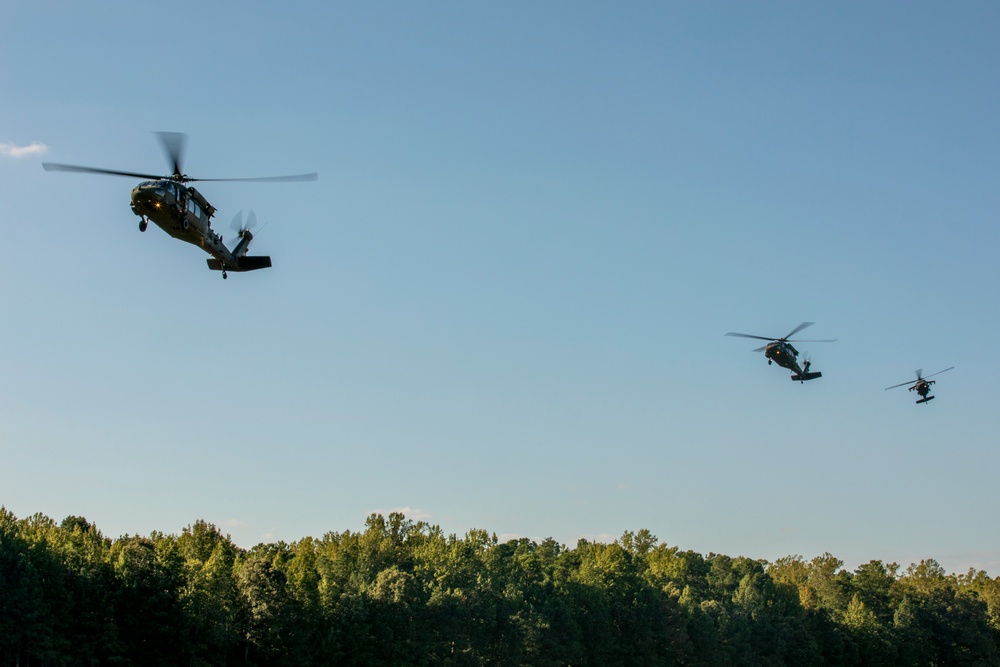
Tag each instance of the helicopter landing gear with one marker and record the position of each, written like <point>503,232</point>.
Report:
<point>224,274</point>
<point>184,223</point>
<point>143,224</point>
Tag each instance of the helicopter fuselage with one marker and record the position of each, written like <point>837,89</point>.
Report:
<point>783,354</point>
<point>923,388</point>
<point>183,213</point>
<point>786,356</point>
<point>178,210</point>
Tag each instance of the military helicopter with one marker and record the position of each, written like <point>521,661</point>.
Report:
<point>921,385</point>
<point>780,351</point>
<point>181,211</point>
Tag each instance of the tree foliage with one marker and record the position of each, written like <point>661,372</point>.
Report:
<point>403,593</point>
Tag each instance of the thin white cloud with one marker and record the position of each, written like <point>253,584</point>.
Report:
<point>597,538</point>
<point>503,538</point>
<point>34,148</point>
<point>234,523</point>
<point>411,513</point>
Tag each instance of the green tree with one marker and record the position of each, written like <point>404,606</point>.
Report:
<point>148,613</point>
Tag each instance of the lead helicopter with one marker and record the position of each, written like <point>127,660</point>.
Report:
<point>921,385</point>
<point>781,352</point>
<point>183,212</point>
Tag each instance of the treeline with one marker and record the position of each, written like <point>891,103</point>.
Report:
<point>404,593</point>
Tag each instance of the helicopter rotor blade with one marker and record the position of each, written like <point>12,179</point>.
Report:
<point>55,166</point>
<point>238,225</point>
<point>801,340</point>
<point>797,329</point>
<point>262,179</point>
<point>743,335</point>
<point>173,145</point>
<point>919,378</point>
<point>759,349</point>
<point>902,384</point>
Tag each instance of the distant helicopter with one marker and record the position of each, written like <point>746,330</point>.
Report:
<point>183,212</point>
<point>780,351</point>
<point>921,385</point>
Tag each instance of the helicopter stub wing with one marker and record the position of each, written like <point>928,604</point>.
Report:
<point>245,264</point>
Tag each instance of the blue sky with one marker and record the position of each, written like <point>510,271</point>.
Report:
<point>502,305</point>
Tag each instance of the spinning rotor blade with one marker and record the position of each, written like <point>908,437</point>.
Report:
<point>786,339</point>
<point>919,378</point>
<point>238,225</point>
<point>242,228</point>
<point>902,384</point>
<point>173,146</point>
<point>743,335</point>
<point>55,166</point>
<point>262,179</point>
<point>797,329</point>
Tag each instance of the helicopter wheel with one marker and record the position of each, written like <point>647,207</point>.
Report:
<point>184,224</point>
<point>224,275</point>
<point>142,225</point>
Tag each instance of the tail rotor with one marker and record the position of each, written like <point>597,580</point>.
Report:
<point>244,230</point>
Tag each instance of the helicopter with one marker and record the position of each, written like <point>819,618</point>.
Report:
<point>921,385</point>
<point>183,212</point>
<point>780,351</point>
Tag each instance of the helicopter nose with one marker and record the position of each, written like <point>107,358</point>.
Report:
<point>146,201</point>
<point>145,196</point>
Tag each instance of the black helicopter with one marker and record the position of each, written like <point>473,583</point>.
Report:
<point>183,212</point>
<point>781,352</point>
<point>921,385</point>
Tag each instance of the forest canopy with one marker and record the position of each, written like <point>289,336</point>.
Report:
<point>403,593</point>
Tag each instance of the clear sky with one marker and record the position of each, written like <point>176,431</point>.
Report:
<point>502,305</point>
